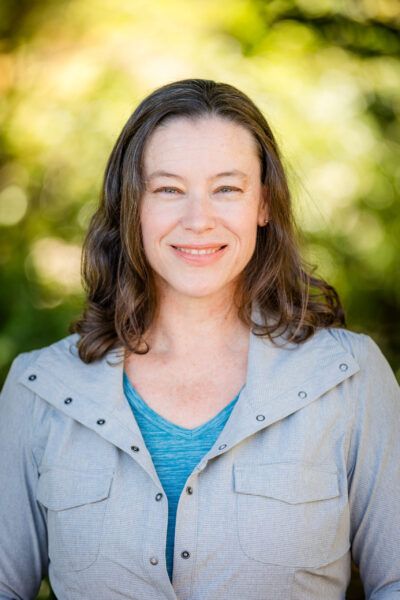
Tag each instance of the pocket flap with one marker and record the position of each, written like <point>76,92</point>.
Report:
<point>59,488</point>
<point>291,482</point>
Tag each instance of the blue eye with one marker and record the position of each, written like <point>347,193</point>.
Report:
<point>167,188</point>
<point>230,189</point>
<point>173,191</point>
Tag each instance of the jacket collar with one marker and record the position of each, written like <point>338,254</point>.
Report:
<point>280,380</point>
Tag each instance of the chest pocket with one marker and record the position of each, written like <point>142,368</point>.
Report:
<point>76,502</point>
<point>287,513</point>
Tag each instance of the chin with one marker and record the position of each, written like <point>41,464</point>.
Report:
<point>198,293</point>
<point>193,287</point>
<point>195,291</point>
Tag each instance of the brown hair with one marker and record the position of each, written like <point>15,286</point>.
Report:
<point>121,299</point>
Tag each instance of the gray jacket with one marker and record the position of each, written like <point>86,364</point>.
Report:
<point>306,470</point>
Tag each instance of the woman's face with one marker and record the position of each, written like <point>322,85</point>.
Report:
<point>202,205</point>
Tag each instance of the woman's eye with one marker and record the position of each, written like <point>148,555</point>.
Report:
<point>172,190</point>
<point>167,190</point>
<point>228,188</point>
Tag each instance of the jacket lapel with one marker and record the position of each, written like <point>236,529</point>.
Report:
<point>280,381</point>
<point>91,394</point>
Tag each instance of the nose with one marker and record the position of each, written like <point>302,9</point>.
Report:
<point>198,213</point>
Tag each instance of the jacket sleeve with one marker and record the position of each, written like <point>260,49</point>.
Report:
<point>23,540</point>
<point>374,475</point>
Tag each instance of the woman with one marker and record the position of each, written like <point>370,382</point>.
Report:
<point>209,430</point>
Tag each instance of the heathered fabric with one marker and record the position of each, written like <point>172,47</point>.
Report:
<point>305,472</point>
<point>175,451</point>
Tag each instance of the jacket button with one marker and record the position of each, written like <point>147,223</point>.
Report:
<point>154,560</point>
<point>100,421</point>
<point>302,394</point>
<point>260,417</point>
<point>222,446</point>
<point>159,496</point>
<point>134,448</point>
<point>185,554</point>
<point>32,377</point>
<point>343,367</point>
<point>67,400</point>
<point>189,489</point>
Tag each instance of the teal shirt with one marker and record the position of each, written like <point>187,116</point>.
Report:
<point>175,451</point>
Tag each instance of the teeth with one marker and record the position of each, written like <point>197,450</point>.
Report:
<point>193,251</point>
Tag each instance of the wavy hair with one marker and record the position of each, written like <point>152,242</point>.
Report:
<point>121,298</point>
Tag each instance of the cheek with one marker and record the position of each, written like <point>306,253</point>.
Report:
<point>155,228</point>
<point>152,226</point>
<point>247,231</point>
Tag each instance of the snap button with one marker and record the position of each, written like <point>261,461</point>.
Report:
<point>135,448</point>
<point>260,417</point>
<point>67,400</point>
<point>159,496</point>
<point>154,560</point>
<point>222,446</point>
<point>302,394</point>
<point>185,554</point>
<point>189,489</point>
<point>100,421</point>
<point>32,377</point>
<point>343,367</point>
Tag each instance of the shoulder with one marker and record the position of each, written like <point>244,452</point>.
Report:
<point>25,360</point>
<point>350,340</point>
<point>375,375</point>
<point>358,344</point>
<point>362,347</point>
<point>20,407</point>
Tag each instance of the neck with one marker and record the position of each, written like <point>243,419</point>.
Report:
<point>192,327</point>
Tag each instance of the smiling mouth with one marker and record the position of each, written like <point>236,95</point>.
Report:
<point>199,251</point>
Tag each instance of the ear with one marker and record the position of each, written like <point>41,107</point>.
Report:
<point>263,212</point>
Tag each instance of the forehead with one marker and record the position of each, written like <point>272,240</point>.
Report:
<point>184,142</point>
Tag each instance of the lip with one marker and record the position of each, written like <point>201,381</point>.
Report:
<point>209,246</point>
<point>200,259</point>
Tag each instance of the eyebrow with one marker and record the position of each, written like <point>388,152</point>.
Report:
<point>234,172</point>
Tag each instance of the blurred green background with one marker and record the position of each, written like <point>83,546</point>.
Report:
<point>324,72</point>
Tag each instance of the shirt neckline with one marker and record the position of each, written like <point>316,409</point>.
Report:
<point>135,399</point>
